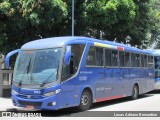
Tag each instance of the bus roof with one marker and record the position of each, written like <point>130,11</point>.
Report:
<point>61,41</point>
<point>156,52</point>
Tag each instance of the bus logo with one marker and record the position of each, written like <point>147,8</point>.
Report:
<point>37,92</point>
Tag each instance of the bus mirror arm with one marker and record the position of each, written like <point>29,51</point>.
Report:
<point>67,56</point>
<point>7,59</point>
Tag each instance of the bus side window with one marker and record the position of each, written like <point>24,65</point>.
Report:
<point>127,59</point>
<point>99,56</point>
<point>108,55</point>
<point>95,56</point>
<point>133,59</point>
<point>150,61</point>
<point>122,59</point>
<point>137,60</point>
<point>114,58</point>
<point>71,69</point>
<point>111,57</point>
<point>91,57</point>
<point>145,61</point>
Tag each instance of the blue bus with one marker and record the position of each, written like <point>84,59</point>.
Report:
<point>156,54</point>
<point>62,72</point>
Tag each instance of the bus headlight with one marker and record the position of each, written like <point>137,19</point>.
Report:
<point>52,93</point>
<point>14,92</point>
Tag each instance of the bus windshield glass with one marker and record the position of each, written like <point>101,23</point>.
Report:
<point>37,66</point>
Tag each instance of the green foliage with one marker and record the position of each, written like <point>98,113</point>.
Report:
<point>5,7</point>
<point>154,17</point>
<point>44,11</point>
<point>114,18</point>
<point>25,20</point>
<point>109,12</point>
<point>141,25</point>
<point>127,21</point>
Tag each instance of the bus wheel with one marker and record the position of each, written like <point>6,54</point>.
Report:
<point>85,101</point>
<point>135,92</point>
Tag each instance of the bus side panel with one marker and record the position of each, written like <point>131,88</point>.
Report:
<point>151,79</point>
<point>113,76</point>
<point>142,77</point>
<point>72,89</point>
<point>88,78</point>
<point>138,77</point>
<point>69,96</point>
<point>126,81</point>
<point>107,83</point>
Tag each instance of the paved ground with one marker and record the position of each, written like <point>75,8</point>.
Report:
<point>6,103</point>
<point>146,102</point>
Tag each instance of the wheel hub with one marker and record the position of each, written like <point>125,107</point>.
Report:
<point>84,100</point>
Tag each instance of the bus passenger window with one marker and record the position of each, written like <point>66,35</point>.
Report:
<point>111,57</point>
<point>122,58</point>
<point>145,61</point>
<point>137,60</point>
<point>108,55</point>
<point>133,59</point>
<point>99,56</point>
<point>127,59</point>
<point>114,58</point>
<point>150,61</point>
<point>95,56</point>
<point>91,57</point>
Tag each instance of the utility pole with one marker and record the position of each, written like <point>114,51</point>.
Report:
<point>72,17</point>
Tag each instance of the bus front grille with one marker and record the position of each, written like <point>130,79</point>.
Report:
<point>37,104</point>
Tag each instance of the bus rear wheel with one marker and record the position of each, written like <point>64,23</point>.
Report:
<point>135,92</point>
<point>85,101</point>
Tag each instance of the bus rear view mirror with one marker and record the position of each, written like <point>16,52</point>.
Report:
<point>67,55</point>
<point>7,59</point>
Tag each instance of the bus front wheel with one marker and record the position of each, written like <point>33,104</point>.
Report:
<point>85,101</point>
<point>135,92</point>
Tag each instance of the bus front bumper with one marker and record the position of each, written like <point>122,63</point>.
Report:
<point>48,103</point>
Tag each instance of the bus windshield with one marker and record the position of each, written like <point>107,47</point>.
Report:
<point>37,66</point>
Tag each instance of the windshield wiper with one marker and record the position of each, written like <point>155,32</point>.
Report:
<point>28,67</point>
<point>44,82</point>
<point>20,83</point>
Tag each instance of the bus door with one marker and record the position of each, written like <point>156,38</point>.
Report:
<point>69,76</point>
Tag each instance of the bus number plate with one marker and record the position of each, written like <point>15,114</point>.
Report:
<point>29,107</point>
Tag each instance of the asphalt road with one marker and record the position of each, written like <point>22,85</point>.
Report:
<point>146,102</point>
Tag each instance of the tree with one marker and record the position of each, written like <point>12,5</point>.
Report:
<point>154,17</point>
<point>25,20</point>
<point>141,24</point>
<point>126,21</point>
<point>110,17</point>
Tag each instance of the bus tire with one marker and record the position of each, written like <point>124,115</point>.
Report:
<point>135,92</point>
<point>85,100</point>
